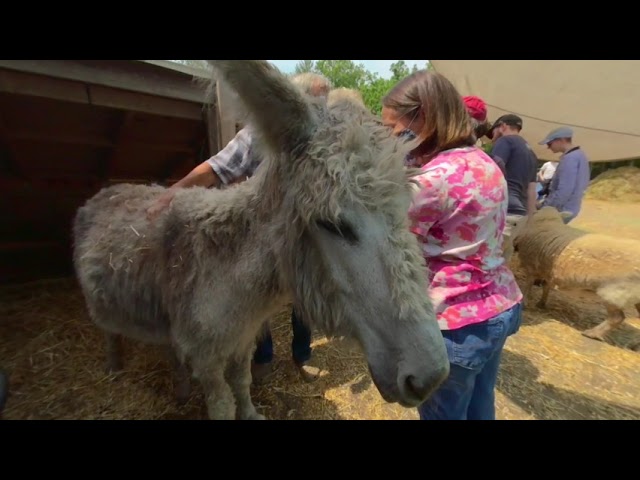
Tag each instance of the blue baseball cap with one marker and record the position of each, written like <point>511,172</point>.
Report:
<point>562,132</point>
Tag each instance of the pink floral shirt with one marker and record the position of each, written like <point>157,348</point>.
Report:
<point>459,215</point>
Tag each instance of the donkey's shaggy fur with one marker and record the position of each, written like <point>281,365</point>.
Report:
<point>322,224</point>
<point>569,258</point>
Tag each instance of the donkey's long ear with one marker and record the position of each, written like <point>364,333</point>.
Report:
<point>276,107</point>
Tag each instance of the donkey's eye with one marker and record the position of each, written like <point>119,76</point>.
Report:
<point>342,229</point>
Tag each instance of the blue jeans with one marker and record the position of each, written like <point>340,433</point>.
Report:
<point>474,354</point>
<point>300,345</point>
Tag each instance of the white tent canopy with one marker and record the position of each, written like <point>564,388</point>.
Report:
<point>599,99</point>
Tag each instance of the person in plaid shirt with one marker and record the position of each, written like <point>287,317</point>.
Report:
<point>235,163</point>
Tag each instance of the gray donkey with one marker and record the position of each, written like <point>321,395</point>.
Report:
<point>323,224</point>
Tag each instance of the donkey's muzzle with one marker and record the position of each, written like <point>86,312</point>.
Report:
<point>417,388</point>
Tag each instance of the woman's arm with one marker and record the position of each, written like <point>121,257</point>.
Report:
<point>430,202</point>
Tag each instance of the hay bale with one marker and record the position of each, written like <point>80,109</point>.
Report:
<point>622,184</point>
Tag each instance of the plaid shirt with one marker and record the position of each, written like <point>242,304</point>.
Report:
<point>236,160</point>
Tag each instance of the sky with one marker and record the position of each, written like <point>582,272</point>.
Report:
<point>381,67</point>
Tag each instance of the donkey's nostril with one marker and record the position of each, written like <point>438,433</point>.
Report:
<point>417,389</point>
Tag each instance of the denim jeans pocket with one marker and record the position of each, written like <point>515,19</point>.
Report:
<point>472,346</point>
<point>515,320</point>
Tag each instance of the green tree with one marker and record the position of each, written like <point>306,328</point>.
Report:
<point>343,73</point>
<point>348,74</point>
<point>373,92</point>
<point>304,66</point>
<point>400,70</point>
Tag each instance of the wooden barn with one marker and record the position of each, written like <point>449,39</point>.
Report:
<point>70,127</point>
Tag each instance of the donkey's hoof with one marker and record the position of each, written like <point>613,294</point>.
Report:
<point>254,415</point>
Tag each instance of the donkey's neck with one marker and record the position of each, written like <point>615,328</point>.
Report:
<point>228,234</point>
<point>230,216</point>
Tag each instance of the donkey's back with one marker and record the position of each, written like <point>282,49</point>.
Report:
<point>119,263</point>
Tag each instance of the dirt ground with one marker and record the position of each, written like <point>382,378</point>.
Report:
<point>55,359</point>
<point>603,217</point>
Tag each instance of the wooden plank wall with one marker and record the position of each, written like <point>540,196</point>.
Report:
<point>152,118</point>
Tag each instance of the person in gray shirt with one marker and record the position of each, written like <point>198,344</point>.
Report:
<point>572,175</point>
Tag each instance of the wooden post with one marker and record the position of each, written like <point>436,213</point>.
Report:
<point>213,127</point>
<point>226,117</point>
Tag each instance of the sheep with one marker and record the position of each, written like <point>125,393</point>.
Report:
<point>569,258</point>
<point>322,224</point>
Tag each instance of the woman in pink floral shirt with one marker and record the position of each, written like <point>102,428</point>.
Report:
<point>458,216</point>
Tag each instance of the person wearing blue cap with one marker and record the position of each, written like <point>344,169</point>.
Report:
<point>572,175</point>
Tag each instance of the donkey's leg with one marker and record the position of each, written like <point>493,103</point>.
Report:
<point>113,344</point>
<point>181,377</point>
<point>209,370</point>
<point>239,377</point>
<point>615,317</point>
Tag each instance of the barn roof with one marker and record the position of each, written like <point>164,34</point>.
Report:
<point>179,67</point>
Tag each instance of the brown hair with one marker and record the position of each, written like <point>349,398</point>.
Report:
<point>446,121</point>
<point>480,128</point>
